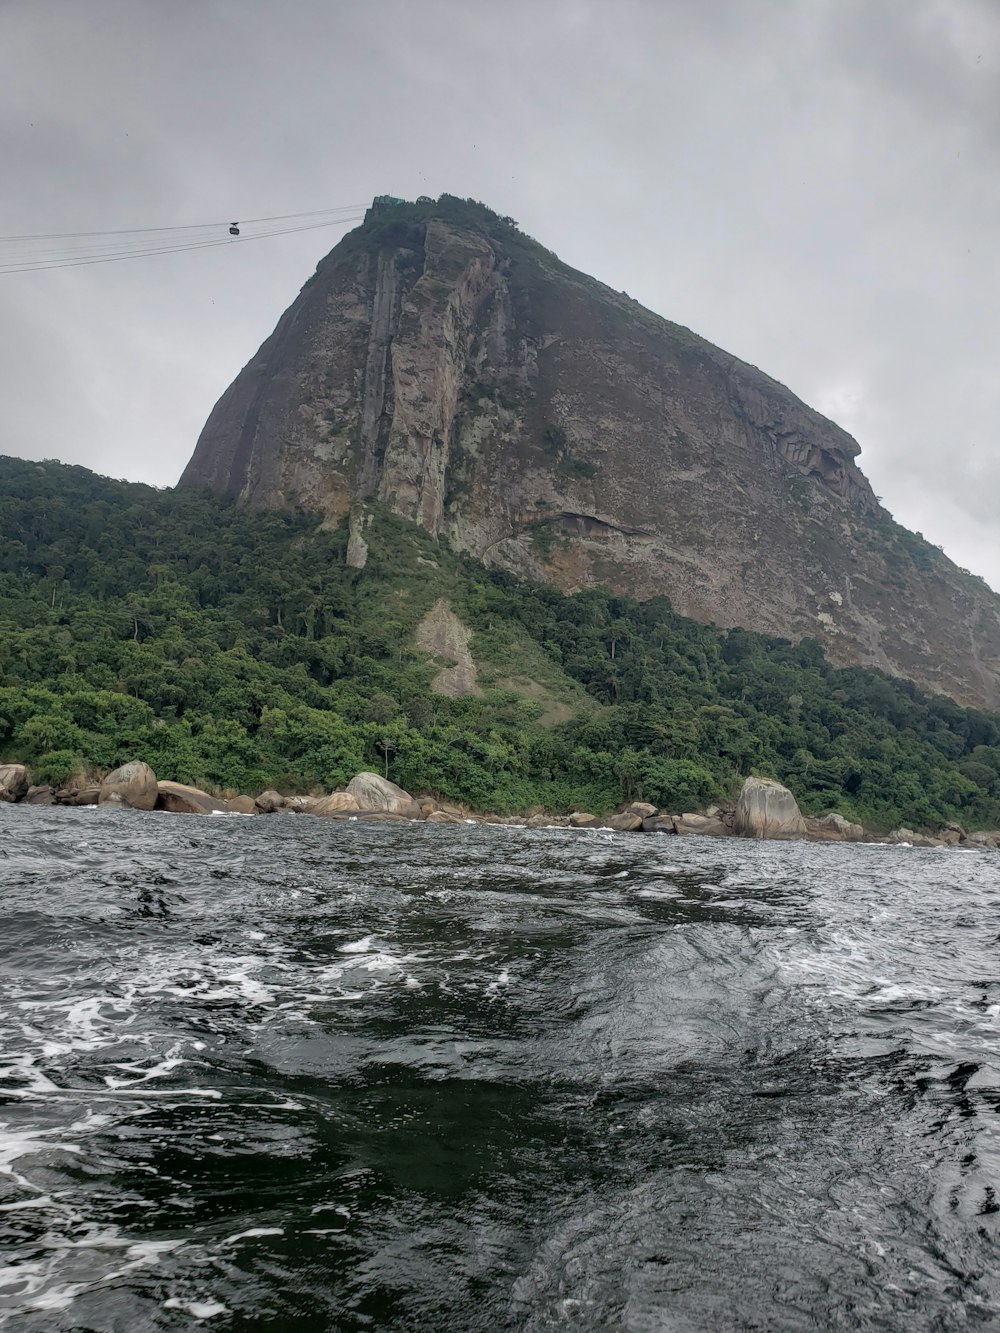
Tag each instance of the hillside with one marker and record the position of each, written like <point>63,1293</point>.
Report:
<point>447,366</point>
<point>236,647</point>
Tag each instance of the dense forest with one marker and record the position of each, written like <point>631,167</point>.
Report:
<point>235,648</point>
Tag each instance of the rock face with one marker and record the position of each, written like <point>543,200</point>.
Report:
<point>374,793</point>
<point>443,635</point>
<point>14,782</point>
<point>443,363</point>
<point>133,784</point>
<point>766,809</point>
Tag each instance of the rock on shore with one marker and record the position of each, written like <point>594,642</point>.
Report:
<point>14,782</point>
<point>766,809</point>
<point>134,785</point>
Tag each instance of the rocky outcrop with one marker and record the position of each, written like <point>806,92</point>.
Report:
<point>711,825</point>
<point>240,805</point>
<point>833,828</point>
<point>766,809</point>
<point>43,795</point>
<point>443,635</point>
<point>180,799</point>
<point>133,785</point>
<point>376,793</point>
<point>14,782</point>
<point>336,803</point>
<point>444,364</point>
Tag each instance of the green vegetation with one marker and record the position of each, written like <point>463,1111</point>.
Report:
<point>234,648</point>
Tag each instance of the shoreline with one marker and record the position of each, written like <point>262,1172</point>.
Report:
<point>768,812</point>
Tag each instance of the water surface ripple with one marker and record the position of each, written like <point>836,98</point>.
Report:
<point>303,1075</point>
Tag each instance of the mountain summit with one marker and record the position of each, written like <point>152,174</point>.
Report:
<point>444,363</point>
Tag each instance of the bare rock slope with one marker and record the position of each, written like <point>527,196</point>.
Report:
<point>447,365</point>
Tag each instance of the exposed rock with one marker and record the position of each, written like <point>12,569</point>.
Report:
<point>547,821</point>
<point>357,547</point>
<point>443,817</point>
<point>180,799</point>
<point>833,827</point>
<point>443,635</point>
<point>376,793</point>
<point>269,802</point>
<point>335,803</point>
<point>908,836</point>
<point>463,376</point>
<point>132,785</point>
<point>580,819</point>
<point>658,824</point>
<point>624,823</point>
<point>241,805</point>
<point>709,825</point>
<point>766,809</point>
<point>985,838</point>
<point>40,796</point>
<point>641,808</point>
<point>78,795</point>
<point>14,782</point>
<point>301,805</point>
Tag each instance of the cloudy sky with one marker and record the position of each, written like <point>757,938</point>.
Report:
<point>811,184</point>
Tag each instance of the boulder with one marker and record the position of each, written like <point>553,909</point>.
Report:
<point>984,838</point>
<point>641,808</point>
<point>269,802</point>
<point>709,825</point>
<point>546,821</point>
<point>133,785</point>
<point>658,824</point>
<point>580,819</point>
<point>624,823</point>
<point>182,800</point>
<point>240,805</point>
<point>301,805</point>
<point>833,828</point>
<point>335,803</point>
<point>374,793</point>
<point>14,782</point>
<point>907,835</point>
<point>443,817</point>
<point>766,809</point>
<point>78,795</point>
<point>40,796</point>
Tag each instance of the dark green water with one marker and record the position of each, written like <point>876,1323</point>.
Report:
<point>294,1074</point>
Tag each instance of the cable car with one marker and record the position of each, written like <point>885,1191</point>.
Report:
<point>234,229</point>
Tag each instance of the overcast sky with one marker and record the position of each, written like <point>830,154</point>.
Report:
<point>812,184</point>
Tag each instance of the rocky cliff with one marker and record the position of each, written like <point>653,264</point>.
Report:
<point>444,363</point>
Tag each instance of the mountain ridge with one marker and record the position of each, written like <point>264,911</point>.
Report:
<point>445,364</point>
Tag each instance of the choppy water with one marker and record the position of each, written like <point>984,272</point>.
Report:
<point>293,1074</point>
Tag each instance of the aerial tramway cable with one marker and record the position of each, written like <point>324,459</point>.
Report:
<point>52,250</point>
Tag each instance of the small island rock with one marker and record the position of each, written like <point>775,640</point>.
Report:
<point>133,785</point>
<point>766,809</point>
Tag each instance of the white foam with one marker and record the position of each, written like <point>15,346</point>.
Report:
<point>252,1233</point>
<point>197,1309</point>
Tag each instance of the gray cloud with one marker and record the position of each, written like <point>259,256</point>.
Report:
<point>812,184</point>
